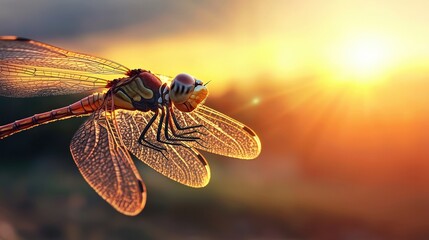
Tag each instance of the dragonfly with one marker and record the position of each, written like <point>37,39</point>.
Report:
<point>160,120</point>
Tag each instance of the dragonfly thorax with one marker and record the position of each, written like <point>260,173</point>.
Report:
<point>140,91</point>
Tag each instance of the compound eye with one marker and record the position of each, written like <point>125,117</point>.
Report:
<point>182,82</point>
<point>182,87</point>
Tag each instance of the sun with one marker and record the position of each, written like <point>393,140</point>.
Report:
<point>366,58</point>
<point>361,59</point>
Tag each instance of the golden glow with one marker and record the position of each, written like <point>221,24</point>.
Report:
<point>336,89</point>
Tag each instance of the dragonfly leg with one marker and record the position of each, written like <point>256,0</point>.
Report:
<point>142,139</point>
<point>177,125</point>
<point>179,137</point>
<point>163,122</point>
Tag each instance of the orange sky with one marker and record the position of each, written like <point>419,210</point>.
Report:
<point>337,90</point>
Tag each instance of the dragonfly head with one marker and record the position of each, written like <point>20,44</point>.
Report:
<point>187,93</point>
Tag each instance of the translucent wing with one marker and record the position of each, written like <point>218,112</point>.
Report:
<point>106,164</point>
<point>22,51</point>
<point>222,135</point>
<point>24,81</point>
<point>30,68</point>
<point>180,163</point>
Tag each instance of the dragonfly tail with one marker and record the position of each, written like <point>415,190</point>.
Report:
<point>82,107</point>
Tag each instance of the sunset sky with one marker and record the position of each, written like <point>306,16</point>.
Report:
<point>337,91</point>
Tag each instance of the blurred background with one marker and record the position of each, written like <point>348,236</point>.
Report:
<point>336,90</point>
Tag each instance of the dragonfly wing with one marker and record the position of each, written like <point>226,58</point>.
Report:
<point>107,166</point>
<point>30,68</point>
<point>22,51</point>
<point>180,163</point>
<point>221,134</point>
<point>24,81</point>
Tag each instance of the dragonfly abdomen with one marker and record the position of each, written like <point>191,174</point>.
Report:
<point>84,106</point>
